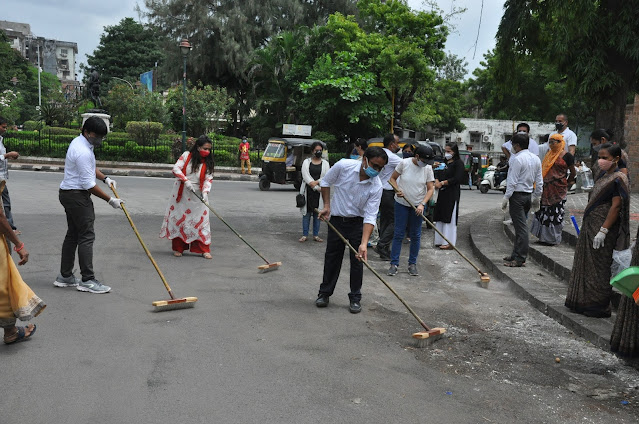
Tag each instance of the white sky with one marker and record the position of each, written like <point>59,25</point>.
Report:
<point>82,21</point>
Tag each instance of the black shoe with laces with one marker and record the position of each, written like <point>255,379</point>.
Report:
<point>322,301</point>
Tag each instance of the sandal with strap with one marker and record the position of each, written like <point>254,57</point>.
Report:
<point>303,239</point>
<point>317,239</point>
<point>20,335</point>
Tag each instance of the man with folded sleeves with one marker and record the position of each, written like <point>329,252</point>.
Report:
<point>357,192</point>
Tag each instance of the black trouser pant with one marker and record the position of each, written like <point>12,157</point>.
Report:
<point>518,206</point>
<point>351,229</point>
<point>80,235</point>
<point>386,222</point>
<point>6,203</point>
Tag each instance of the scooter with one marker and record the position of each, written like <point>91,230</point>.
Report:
<point>489,182</point>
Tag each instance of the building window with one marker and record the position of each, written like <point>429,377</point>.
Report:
<point>447,139</point>
<point>63,51</point>
<point>66,74</point>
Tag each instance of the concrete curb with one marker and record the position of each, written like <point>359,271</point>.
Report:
<point>544,292</point>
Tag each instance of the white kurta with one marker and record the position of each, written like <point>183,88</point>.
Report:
<point>187,219</point>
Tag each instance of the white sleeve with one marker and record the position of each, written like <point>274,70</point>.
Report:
<point>372,207</point>
<point>86,170</point>
<point>332,175</point>
<point>430,175</point>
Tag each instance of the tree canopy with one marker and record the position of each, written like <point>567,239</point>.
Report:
<point>126,50</point>
<point>592,44</point>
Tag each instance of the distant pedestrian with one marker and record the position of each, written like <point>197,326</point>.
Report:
<point>605,227</point>
<point>523,193</point>
<point>357,192</point>
<point>447,207</point>
<point>408,151</point>
<point>387,207</point>
<point>416,182</point>
<point>75,195</point>
<point>186,220</point>
<point>245,157</point>
<point>548,221</point>
<point>4,172</point>
<point>313,170</point>
<point>357,152</point>
<point>533,147</point>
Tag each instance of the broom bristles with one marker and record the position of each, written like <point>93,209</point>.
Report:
<point>269,267</point>
<point>173,304</point>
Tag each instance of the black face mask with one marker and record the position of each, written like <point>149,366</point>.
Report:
<point>318,154</point>
<point>559,126</point>
<point>408,154</point>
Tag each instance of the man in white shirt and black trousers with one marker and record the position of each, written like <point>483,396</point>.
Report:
<point>357,192</point>
<point>523,193</point>
<point>75,195</point>
<point>387,206</point>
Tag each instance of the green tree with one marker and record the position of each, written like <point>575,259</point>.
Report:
<point>207,109</point>
<point>126,50</point>
<point>126,105</point>
<point>225,33</point>
<point>593,44</point>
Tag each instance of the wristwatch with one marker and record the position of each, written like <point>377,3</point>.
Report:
<point>423,204</point>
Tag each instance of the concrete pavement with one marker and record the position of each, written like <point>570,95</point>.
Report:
<point>544,279</point>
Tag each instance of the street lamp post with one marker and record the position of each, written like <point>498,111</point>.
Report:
<point>39,83</point>
<point>185,47</point>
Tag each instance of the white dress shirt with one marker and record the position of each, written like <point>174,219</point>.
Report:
<point>79,166</point>
<point>524,174</point>
<point>389,168</point>
<point>350,196</point>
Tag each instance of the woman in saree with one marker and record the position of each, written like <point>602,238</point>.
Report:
<point>548,221</point>
<point>605,228</point>
<point>17,300</point>
<point>625,334</point>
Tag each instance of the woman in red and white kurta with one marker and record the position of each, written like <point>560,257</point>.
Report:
<point>186,221</point>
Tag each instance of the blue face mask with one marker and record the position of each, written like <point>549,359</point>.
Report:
<point>372,173</point>
<point>355,157</point>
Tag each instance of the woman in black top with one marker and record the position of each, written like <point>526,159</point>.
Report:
<point>447,208</point>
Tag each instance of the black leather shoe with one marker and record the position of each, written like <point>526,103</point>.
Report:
<point>355,308</point>
<point>322,301</point>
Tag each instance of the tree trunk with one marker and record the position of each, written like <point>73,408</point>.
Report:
<point>613,119</point>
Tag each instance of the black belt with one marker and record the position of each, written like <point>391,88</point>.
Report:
<point>521,192</point>
<point>74,191</point>
<point>348,218</point>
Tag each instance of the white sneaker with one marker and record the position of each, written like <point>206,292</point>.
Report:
<point>70,281</point>
<point>93,286</point>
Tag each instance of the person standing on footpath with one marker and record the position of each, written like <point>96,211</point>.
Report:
<point>75,195</point>
<point>447,206</point>
<point>245,158</point>
<point>387,207</point>
<point>523,193</point>
<point>352,210</point>
<point>4,172</point>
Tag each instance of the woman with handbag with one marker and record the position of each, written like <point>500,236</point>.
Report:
<point>313,169</point>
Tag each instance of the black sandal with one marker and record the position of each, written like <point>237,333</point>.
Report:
<point>514,264</point>
<point>20,335</point>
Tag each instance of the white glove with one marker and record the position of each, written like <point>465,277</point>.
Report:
<point>599,239</point>
<point>116,203</point>
<point>535,204</point>
<point>205,197</point>
<point>504,205</point>
<point>189,185</point>
<point>108,181</point>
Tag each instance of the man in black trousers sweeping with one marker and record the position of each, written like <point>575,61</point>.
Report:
<point>357,192</point>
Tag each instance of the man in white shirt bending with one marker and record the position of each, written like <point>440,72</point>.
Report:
<point>357,192</point>
<point>75,195</point>
<point>523,193</point>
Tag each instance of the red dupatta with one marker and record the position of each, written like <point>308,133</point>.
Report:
<point>202,177</point>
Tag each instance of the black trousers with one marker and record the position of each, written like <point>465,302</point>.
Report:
<point>80,235</point>
<point>351,229</point>
<point>386,221</point>
<point>519,205</point>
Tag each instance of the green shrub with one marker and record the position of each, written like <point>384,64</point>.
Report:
<point>145,133</point>
<point>32,125</point>
<point>61,130</point>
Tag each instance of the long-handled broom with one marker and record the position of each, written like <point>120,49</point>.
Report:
<point>422,337</point>
<point>483,276</point>
<point>270,266</point>
<point>159,305</point>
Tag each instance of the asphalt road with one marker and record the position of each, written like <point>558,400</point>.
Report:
<point>255,349</point>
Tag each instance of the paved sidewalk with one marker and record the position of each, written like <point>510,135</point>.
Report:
<point>544,279</point>
<point>134,169</point>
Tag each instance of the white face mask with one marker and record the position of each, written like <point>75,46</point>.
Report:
<point>448,156</point>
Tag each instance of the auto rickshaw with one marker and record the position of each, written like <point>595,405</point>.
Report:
<point>282,161</point>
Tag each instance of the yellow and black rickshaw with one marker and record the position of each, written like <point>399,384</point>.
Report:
<point>282,161</point>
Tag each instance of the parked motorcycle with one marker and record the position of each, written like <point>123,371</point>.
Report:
<point>489,182</point>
